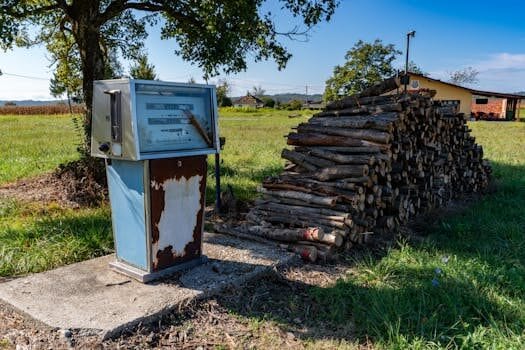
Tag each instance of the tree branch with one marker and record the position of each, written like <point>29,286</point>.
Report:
<point>10,11</point>
<point>144,6</point>
<point>118,6</point>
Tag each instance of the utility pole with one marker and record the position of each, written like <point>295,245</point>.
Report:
<point>306,90</point>
<point>405,78</point>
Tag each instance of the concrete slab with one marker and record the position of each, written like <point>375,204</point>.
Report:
<point>90,297</point>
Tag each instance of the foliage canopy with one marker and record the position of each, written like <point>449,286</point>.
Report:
<point>223,90</point>
<point>216,35</point>
<point>366,64</point>
<point>142,69</point>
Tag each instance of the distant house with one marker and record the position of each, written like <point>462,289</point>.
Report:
<point>471,102</point>
<point>249,101</point>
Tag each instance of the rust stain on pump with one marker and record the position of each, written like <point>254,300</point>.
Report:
<point>177,188</point>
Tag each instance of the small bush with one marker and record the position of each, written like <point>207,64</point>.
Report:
<point>268,102</point>
<point>294,105</point>
<point>226,102</point>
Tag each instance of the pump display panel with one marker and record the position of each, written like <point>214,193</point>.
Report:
<point>138,119</point>
<point>173,118</point>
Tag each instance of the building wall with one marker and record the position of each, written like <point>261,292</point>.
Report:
<point>248,101</point>
<point>446,92</point>
<point>496,106</point>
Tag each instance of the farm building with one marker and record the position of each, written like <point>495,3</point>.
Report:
<point>476,103</point>
<point>249,101</point>
<point>314,105</point>
<point>495,105</point>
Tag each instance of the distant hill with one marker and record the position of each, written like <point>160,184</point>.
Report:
<point>33,102</point>
<point>285,98</point>
<point>520,93</point>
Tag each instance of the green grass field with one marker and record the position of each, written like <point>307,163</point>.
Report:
<point>463,286</point>
<point>32,145</point>
<point>254,142</point>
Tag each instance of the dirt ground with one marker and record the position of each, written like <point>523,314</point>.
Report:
<point>43,189</point>
<point>80,183</point>
<point>261,315</point>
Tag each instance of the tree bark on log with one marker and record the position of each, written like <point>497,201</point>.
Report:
<point>300,159</point>
<point>291,187</point>
<point>369,122</point>
<point>363,134</point>
<point>299,221</point>
<point>309,198</point>
<point>341,172</point>
<point>332,239</point>
<point>313,183</point>
<point>307,210</point>
<point>311,139</point>
<point>341,158</point>
<point>375,109</point>
<point>354,100</point>
<point>338,221</point>
<point>369,150</point>
<point>314,234</point>
<point>314,189</point>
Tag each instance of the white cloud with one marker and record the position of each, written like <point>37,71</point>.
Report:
<point>500,72</point>
<point>504,72</point>
<point>16,88</point>
<point>502,61</point>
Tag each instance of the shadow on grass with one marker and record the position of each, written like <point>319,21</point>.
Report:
<point>462,284</point>
<point>355,312</point>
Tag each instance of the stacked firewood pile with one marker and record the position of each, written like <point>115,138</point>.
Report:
<point>365,165</point>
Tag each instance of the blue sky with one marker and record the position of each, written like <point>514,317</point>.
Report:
<point>489,36</point>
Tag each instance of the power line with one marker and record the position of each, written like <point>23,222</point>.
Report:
<point>282,87</point>
<point>24,76</point>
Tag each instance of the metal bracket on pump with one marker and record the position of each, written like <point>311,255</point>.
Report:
<point>115,121</point>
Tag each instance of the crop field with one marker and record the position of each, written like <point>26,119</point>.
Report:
<point>41,110</point>
<point>460,285</point>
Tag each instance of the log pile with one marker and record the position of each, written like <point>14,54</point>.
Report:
<point>364,165</point>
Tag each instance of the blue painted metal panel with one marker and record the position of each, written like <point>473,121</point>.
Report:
<point>126,192</point>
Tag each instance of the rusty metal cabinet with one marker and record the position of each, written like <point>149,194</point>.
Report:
<point>157,214</point>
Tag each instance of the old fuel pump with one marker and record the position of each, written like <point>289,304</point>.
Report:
<point>155,137</point>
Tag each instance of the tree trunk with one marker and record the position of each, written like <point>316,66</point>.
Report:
<point>69,101</point>
<point>86,30</point>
